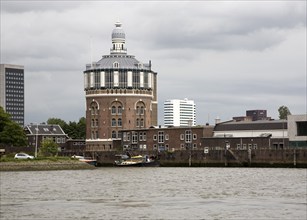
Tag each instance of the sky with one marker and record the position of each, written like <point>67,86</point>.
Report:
<point>227,56</point>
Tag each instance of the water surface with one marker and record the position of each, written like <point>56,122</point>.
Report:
<point>155,193</point>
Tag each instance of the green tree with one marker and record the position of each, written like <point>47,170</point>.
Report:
<point>283,112</point>
<point>4,119</point>
<point>73,129</point>
<point>57,121</point>
<point>48,148</point>
<point>11,133</point>
<point>82,128</point>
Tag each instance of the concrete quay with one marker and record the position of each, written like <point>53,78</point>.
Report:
<point>296,158</point>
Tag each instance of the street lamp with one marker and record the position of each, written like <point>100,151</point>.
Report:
<point>190,123</point>
<point>36,140</point>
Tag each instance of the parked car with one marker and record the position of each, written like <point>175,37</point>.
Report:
<point>23,156</point>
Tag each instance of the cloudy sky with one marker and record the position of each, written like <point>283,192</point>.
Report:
<point>228,56</point>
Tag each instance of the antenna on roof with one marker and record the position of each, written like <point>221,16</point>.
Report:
<point>91,49</point>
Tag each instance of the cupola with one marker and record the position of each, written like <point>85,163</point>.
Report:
<point>118,40</point>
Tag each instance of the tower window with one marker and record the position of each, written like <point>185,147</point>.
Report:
<point>137,122</point>
<point>113,122</point>
<point>142,110</point>
<point>142,122</point>
<point>113,111</point>
<point>115,65</point>
<point>119,110</point>
<point>119,122</point>
<point>137,110</point>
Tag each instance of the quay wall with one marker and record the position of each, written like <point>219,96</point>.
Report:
<point>221,158</point>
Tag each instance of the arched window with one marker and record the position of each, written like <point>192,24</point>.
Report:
<point>94,108</point>
<point>115,65</point>
<point>119,122</point>
<point>113,122</point>
<point>137,110</point>
<point>113,111</point>
<point>142,123</point>
<point>119,110</point>
<point>142,110</point>
<point>96,122</point>
<point>114,134</point>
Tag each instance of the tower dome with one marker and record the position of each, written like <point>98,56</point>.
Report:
<point>118,40</point>
<point>118,32</point>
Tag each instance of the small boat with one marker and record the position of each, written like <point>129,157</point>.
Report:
<point>90,161</point>
<point>138,161</point>
<point>86,160</point>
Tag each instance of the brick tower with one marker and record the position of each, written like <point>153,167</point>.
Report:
<point>120,92</point>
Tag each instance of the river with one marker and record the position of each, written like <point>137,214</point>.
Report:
<point>155,193</point>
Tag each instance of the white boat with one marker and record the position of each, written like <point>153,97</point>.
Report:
<point>86,160</point>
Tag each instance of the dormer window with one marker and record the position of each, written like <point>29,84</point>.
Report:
<point>115,65</point>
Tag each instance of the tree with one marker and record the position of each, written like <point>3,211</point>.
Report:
<point>57,121</point>
<point>48,148</point>
<point>11,133</point>
<point>73,129</point>
<point>4,119</point>
<point>283,112</point>
<point>82,128</point>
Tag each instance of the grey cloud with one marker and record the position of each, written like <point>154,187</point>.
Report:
<point>19,6</point>
<point>255,26</point>
<point>225,55</point>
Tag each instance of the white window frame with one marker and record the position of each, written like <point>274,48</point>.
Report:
<point>182,137</point>
<point>154,137</point>
<point>166,137</point>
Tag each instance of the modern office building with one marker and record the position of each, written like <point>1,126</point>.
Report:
<point>179,112</point>
<point>297,128</point>
<point>121,93</point>
<point>12,91</point>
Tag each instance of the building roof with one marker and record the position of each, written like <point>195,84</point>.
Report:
<point>118,55</point>
<point>44,129</point>
<point>124,62</point>
<point>251,125</point>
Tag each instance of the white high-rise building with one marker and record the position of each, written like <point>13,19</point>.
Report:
<point>178,112</point>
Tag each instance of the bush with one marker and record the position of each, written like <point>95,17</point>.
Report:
<point>48,148</point>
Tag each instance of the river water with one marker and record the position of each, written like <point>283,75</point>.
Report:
<point>155,193</point>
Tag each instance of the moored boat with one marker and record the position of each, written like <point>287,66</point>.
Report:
<point>139,161</point>
<point>86,160</point>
